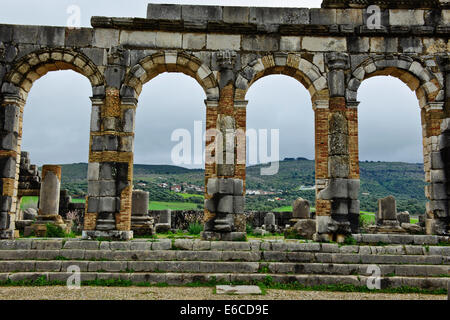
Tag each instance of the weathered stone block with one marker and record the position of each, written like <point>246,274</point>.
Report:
<point>337,188</point>
<point>411,45</point>
<point>223,42</point>
<point>274,16</point>
<point>198,13</point>
<point>387,209</point>
<point>7,167</point>
<point>194,41</point>
<point>107,204</point>
<point>236,14</point>
<point>338,166</point>
<point>326,44</point>
<point>138,38</point>
<point>105,38</point>
<point>260,43</point>
<point>323,16</point>
<point>225,204</point>
<point>164,11</point>
<point>401,17</point>
<point>290,43</point>
<point>239,204</point>
<point>301,209</point>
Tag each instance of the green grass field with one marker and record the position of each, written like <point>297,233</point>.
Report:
<point>187,195</point>
<point>289,209</point>
<point>157,205</point>
<point>28,202</point>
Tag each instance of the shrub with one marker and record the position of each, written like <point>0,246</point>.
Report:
<point>349,240</point>
<point>195,228</point>
<point>249,229</point>
<point>54,231</point>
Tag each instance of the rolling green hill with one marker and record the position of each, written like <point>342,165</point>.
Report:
<point>405,181</point>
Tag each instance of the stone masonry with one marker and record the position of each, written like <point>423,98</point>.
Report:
<point>331,51</point>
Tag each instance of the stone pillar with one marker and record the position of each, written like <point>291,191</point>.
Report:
<point>165,222</point>
<point>110,172</point>
<point>224,200</point>
<point>141,222</point>
<point>50,191</point>
<point>270,224</point>
<point>49,202</point>
<point>436,127</point>
<point>386,217</point>
<point>11,113</point>
<point>337,192</point>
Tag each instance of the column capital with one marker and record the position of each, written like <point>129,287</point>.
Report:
<point>337,60</point>
<point>240,103</point>
<point>434,106</point>
<point>211,103</point>
<point>12,99</point>
<point>226,59</point>
<point>129,101</point>
<point>97,101</point>
<point>321,104</point>
<point>353,104</point>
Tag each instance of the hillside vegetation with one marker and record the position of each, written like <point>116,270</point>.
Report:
<point>405,181</point>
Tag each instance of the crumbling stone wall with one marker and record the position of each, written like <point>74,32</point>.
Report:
<point>227,49</point>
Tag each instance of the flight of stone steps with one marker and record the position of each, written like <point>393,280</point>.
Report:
<point>182,261</point>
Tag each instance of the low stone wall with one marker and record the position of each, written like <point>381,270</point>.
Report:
<point>182,218</point>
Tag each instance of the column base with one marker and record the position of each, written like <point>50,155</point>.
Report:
<point>109,235</point>
<point>386,226</point>
<point>439,227</point>
<point>7,234</point>
<point>330,237</point>
<point>223,236</point>
<point>143,230</point>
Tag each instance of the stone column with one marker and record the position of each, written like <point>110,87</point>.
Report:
<point>337,193</point>
<point>437,159</point>
<point>141,222</point>
<point>224,200</point>
<point>50,190</point>
<point>436,164</point>
<point>49,201</point>
<point>165,222</point>
<point>11,113</point>
<point>110,172</point>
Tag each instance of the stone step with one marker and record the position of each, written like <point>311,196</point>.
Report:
<point>248,256</point>
<point>222,267</point>
<point>186,278</point>
<point>253,245</point>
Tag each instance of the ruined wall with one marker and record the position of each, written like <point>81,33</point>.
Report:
<point>226,50</point>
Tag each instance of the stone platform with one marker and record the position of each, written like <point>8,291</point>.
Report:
<point>185,261</point>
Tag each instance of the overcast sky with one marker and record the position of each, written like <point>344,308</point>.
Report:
<point>57,113</point>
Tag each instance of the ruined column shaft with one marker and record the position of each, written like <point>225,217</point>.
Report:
<point>50,189</point>
<point>110,173</point>
<point>11,137</point>
<point>338,183</point>
<point>224,201</point>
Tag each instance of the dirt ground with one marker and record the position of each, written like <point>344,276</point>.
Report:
<point>181,293</point>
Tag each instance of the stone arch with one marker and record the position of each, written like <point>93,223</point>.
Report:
<point>38,63</point>
<point>426,80</point>
<point>14,92</point>
<point>293,65</point>
<point>173,61</point>
<point>427,84</point>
